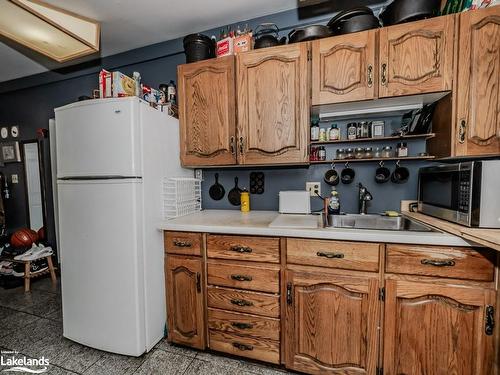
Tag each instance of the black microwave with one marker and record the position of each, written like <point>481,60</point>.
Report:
<point>466,193</point>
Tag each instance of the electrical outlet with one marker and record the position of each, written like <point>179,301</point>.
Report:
<point>198,174</point>
<point>15,179</point>
<point>314,188</point>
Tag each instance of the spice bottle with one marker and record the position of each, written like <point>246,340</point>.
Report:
<point>334,133</point>
<point>322,153</point>
<point>245,201</point>
<point>351,131</point>
<point>315,131</point>
<point>402,150</point>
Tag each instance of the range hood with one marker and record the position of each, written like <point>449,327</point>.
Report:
<point>385,107</point>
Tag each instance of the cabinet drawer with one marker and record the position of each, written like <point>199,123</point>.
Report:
<point>256,348</point>
<point>185,243</point>
<point>453,262</point>
<point>258,249</point>
<point>259,278</point>
<point>244,301</point>
<point>244,324</point>
<point>361,256</point>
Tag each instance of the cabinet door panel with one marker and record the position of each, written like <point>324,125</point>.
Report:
<point>417,57</point>
<point>207,112</point>
<point>331,324</point>
<point>478,86</point>
<point>273,105</point>
<point>344,68</point>
<point>185,310</point>
<point>434,329</point>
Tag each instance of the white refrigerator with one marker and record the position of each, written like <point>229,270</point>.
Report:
<point>112,156</point>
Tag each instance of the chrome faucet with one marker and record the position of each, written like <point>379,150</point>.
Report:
<point>364,196</point>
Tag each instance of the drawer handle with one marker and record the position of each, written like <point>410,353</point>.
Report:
<point>241,277</point>
<point>370,76</point>
<point>330,255</point>
<point>241,302</point>
<point>242,347</point>
<point>242,325</point>
<point>182,243</point>
<point>438,263</point>
<point>241,249</point>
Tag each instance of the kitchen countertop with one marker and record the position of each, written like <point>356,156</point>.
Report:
<point>257,223</point>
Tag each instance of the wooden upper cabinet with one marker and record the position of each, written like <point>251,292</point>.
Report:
<point>478,85</point>
<point>185,301</point>
<point>416,57</point>
<point>331,323</point>
<point>207,112</point>
<point>273,105</point>
<point>344,68</point>
<point>437,329</point>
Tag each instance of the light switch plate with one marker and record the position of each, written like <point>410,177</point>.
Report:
<point>15,179</point>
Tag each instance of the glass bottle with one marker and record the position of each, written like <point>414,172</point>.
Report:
<point>334,133</point>
<point>315,131</point>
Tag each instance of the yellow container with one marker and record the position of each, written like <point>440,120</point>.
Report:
<point>245,201</point>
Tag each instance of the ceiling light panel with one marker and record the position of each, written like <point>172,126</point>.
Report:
<point>51,31</point>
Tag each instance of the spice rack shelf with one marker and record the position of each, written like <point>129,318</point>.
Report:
<point>395,138</point>
<point>341,161</point>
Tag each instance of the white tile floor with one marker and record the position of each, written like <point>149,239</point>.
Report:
<point>31,324</point>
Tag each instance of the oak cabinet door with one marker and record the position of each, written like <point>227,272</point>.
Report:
<point>478,85</point>
<point>207,112</point>
<point>437,330</point>
<point>331,323</point>
<point>417,57</point>
<point>273,105</point>
<point>343,68</point>
<point>185,296</point>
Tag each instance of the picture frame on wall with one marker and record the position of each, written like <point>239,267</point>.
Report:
<point>9,152</point>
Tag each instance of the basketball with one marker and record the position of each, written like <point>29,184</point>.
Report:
<point>23,237</point>
<point>41,234</point>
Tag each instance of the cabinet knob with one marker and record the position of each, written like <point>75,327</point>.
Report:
<point>438,262</point>
<point>330,255</point>
<point>241,277</point>
<point>383,79</point>
<point>178,243</point>
<point>241,145</point>
<point>242,325</point>
<point>241,302</point>
<point>242,347</point>
<point>241,249</point>
<point>370,76</point>
<point>461,131</point>
<point>231,145</point>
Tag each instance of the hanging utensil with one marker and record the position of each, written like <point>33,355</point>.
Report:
<point>216,191</point>
<point>234,195</point>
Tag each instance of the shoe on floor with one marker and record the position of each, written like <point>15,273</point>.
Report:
<point>5,268</point>
<point>36,252</point>
<point>36,266</point>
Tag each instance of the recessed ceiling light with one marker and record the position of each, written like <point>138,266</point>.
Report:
<point>52,31</point>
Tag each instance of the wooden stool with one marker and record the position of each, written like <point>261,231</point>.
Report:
<point>27,271</point>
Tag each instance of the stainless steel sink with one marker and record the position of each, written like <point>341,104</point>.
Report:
<point>377,222</point>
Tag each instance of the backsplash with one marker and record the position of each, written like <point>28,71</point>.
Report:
<point>386,196</point>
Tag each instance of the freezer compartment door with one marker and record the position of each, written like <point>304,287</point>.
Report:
<point>100,139</point>
<point>102,269</point>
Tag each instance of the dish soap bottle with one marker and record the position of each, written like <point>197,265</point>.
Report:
<point>334,204</point>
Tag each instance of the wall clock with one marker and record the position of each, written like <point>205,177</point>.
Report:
<point>4,132</point>
<point>14,131</point>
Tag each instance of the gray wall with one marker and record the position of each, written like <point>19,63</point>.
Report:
<point>29,101</point>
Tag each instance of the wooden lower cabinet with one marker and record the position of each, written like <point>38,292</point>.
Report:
<point>438,329</point>
<point>185,301</point>
<point>331,323</point>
